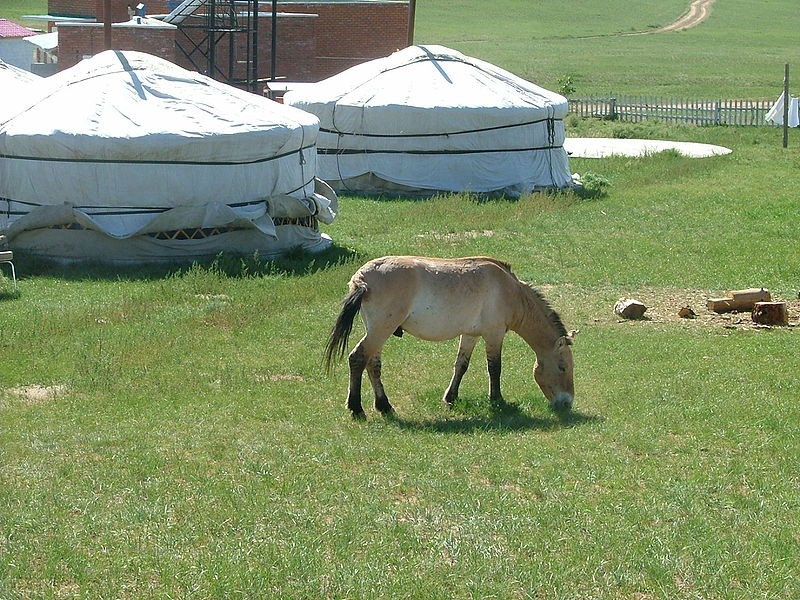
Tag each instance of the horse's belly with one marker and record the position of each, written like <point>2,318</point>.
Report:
<point>435,325</point>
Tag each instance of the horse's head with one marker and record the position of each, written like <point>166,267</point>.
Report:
<point>553,373</point>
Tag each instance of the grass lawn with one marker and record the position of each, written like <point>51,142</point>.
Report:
<point>588,41</point>
<point>171,433</point>
<point>174,434</point>
<point>16,10</point>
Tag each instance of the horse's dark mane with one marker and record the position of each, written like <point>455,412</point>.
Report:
<point>534,295</point>
<point>549,311</point>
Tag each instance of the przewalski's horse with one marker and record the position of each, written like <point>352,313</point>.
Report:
<point>438,299</point>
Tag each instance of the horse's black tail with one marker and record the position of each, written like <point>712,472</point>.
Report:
<point>337,340</point>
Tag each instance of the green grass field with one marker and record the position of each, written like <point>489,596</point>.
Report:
<point>171,433</point>
<point>738,53</point>
<point>174,434</point>
<point>16,10</point>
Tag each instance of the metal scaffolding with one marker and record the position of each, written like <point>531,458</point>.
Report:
<point>220,39</point>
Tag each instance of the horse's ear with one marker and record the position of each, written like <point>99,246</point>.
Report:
<point>566,340</point>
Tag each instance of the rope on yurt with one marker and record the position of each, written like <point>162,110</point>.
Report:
<point>302,157</point>
<point>339,151</point>
<point>10,212</point>
<point>128,161</point>
<point>551,139</point>
<point>439,133</point>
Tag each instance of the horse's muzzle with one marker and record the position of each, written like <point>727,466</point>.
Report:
<point>562,401</point>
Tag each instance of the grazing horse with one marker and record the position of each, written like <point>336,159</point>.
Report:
<point>438,299</point>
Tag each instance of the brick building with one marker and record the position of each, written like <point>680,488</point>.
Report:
<point>233,41</point>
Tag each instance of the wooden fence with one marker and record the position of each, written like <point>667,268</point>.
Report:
<point>699,112</point>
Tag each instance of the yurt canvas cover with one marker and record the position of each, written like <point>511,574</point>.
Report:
<point>13,79</point>
<point>127,157</point>
<point>429,118</point>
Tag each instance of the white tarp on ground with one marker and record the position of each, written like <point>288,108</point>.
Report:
<point>431,119</point>
<point>775,114</point>
<point>134,148</point>
<point>604,147</point>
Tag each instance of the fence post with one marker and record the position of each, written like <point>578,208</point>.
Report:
<point>612,106</point>
<point>786,105</point>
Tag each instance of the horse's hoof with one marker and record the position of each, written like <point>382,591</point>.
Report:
<point>359,415</point>
<point>497,403</point>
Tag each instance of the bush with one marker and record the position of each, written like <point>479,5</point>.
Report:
<point>593,185</point>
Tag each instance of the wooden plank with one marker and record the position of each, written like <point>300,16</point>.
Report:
<point>738,300</point>
<point>750,295</point>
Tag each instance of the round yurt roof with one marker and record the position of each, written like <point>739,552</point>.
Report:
<point>429,117</point>
<point>425,89</point>
<point>14,80</point>
<point>132,144</point>
<point>133,106</point>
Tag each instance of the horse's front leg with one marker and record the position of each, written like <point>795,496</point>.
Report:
<point>382,404</point>
<point>465,347</point>
<point>494,363</point>
<point>358,362</point>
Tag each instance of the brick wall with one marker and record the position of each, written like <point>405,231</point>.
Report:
<point>72,8</point>
<point>349,33</point>
<point>119,9</point>
<point>296,50</point>
<point>94,8</point>
<point>337,36</point>
<point>333,37</point>
<point>75,41</point>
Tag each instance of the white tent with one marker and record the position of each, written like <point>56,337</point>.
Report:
<point>428,118</point>
<point>13,79</point>
<point>127,157</point>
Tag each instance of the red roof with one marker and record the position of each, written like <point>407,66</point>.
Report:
<point>9,29</point>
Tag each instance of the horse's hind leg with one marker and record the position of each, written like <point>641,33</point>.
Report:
<point>493,360</point>
<point>358,362</point>
<point>382,404</point>
<point>465,347</point>
<point>366,355</point>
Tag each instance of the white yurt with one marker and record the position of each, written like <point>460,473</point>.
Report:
<point>126,157</point>
<point>429,119</point>
<point>13,79</point>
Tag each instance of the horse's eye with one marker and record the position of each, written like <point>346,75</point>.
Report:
<point>562,367</point>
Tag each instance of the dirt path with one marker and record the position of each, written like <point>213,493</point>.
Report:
<point>697,13</point>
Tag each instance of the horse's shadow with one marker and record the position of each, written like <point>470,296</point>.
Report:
<point>505,417</point>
